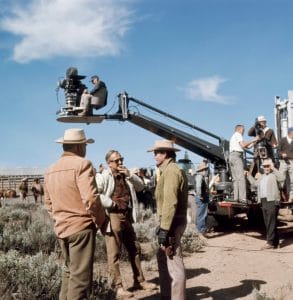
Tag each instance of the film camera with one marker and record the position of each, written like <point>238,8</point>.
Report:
<point>73,87</point>
<point>261,146</point>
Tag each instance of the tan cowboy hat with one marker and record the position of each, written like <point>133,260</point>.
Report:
<point>163,145</point>
<point>201,167</point>
<point>74,136</point>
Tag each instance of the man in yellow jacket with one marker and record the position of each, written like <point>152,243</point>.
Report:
<point>171,196</point>
<point>72,200</point>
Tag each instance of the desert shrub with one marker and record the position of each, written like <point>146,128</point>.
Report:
<point>29,277</point>
<point>145,214</point>
<point>19,233</point>
<point>190,240</point>
<point>102,289</point>
<point>145,230</point>
<point>100,252</point>
<point>285,292</point>
<point>9,215</point>
<point>30,206</point>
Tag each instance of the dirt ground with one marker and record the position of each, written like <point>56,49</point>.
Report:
<point>231,266</point>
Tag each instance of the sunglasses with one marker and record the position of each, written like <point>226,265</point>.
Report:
<point>117,160</point>
<point>266,166</point>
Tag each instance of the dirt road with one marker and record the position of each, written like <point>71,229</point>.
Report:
<point>231,265</point>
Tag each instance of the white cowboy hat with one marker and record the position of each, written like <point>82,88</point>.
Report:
<point>74,136</point>
<point>163,145</point>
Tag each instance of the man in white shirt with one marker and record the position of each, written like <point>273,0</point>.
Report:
<point>237,146</point>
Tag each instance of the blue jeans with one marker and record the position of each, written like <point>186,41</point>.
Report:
<point>201,214</point>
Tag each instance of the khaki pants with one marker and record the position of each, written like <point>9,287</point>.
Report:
<point>78,251</point>
<point>171,270</point>
<point>238,178</point>
<point>122,232</point>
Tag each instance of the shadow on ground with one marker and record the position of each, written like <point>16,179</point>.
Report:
<point>245,288</point>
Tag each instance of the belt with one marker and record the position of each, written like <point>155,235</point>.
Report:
<point>237,152</point>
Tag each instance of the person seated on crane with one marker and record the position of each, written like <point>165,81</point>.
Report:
<point>96,98</point>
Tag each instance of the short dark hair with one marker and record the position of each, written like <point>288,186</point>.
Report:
<point>69,147</point>
<point>95,77</point>
<point>239,126</point>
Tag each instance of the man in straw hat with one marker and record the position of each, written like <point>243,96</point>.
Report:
<point>268,194</point>
<point>171,195</point>
<point>72,200</point>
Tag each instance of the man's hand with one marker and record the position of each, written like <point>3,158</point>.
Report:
<point>123,170</point>
<point>104,226</point>
<point>162,237</point>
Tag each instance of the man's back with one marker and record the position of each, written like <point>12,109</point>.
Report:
<point>71,194</point>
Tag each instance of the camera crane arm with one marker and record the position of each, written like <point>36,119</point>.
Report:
<point>213,152</point>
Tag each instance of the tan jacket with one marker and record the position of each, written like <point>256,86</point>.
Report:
<point>71,195</point>
<point>171,195</point>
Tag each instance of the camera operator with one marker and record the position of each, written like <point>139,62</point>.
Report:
<point>267,139</point>
<point>96,98</point>
<point>73,87</point>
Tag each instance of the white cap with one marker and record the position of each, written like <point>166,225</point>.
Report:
<point>261,118</point>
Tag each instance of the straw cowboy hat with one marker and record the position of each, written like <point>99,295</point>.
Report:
<point>201,167</point>
<point>74,136</point>
<point>165,145</point>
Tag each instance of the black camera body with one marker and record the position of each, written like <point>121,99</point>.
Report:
<point>258,129</point>
<point>73,89</point>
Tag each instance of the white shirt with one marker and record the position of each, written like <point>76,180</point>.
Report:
<point>235,142</point>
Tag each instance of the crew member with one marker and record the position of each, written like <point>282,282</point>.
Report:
<point>201,197</point>
<point>237,146</point>
<point>96,98</point>
<point>171,195</point>
<point>286,160</point>
<point>268,194</point>
<point>119,187</point>
<point>267,139</point>
<point>72,200</point>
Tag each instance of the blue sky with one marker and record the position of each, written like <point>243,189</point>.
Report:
<point>213,63</point>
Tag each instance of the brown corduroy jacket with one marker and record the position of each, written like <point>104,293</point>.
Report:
<point>71,195</point>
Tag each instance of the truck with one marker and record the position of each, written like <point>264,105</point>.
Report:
<point>211,146</point>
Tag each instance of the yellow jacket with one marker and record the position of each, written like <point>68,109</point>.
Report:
<point>171,195</point>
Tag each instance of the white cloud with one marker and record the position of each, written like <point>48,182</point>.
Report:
<point>206,89</point>
<point>79,28</point>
